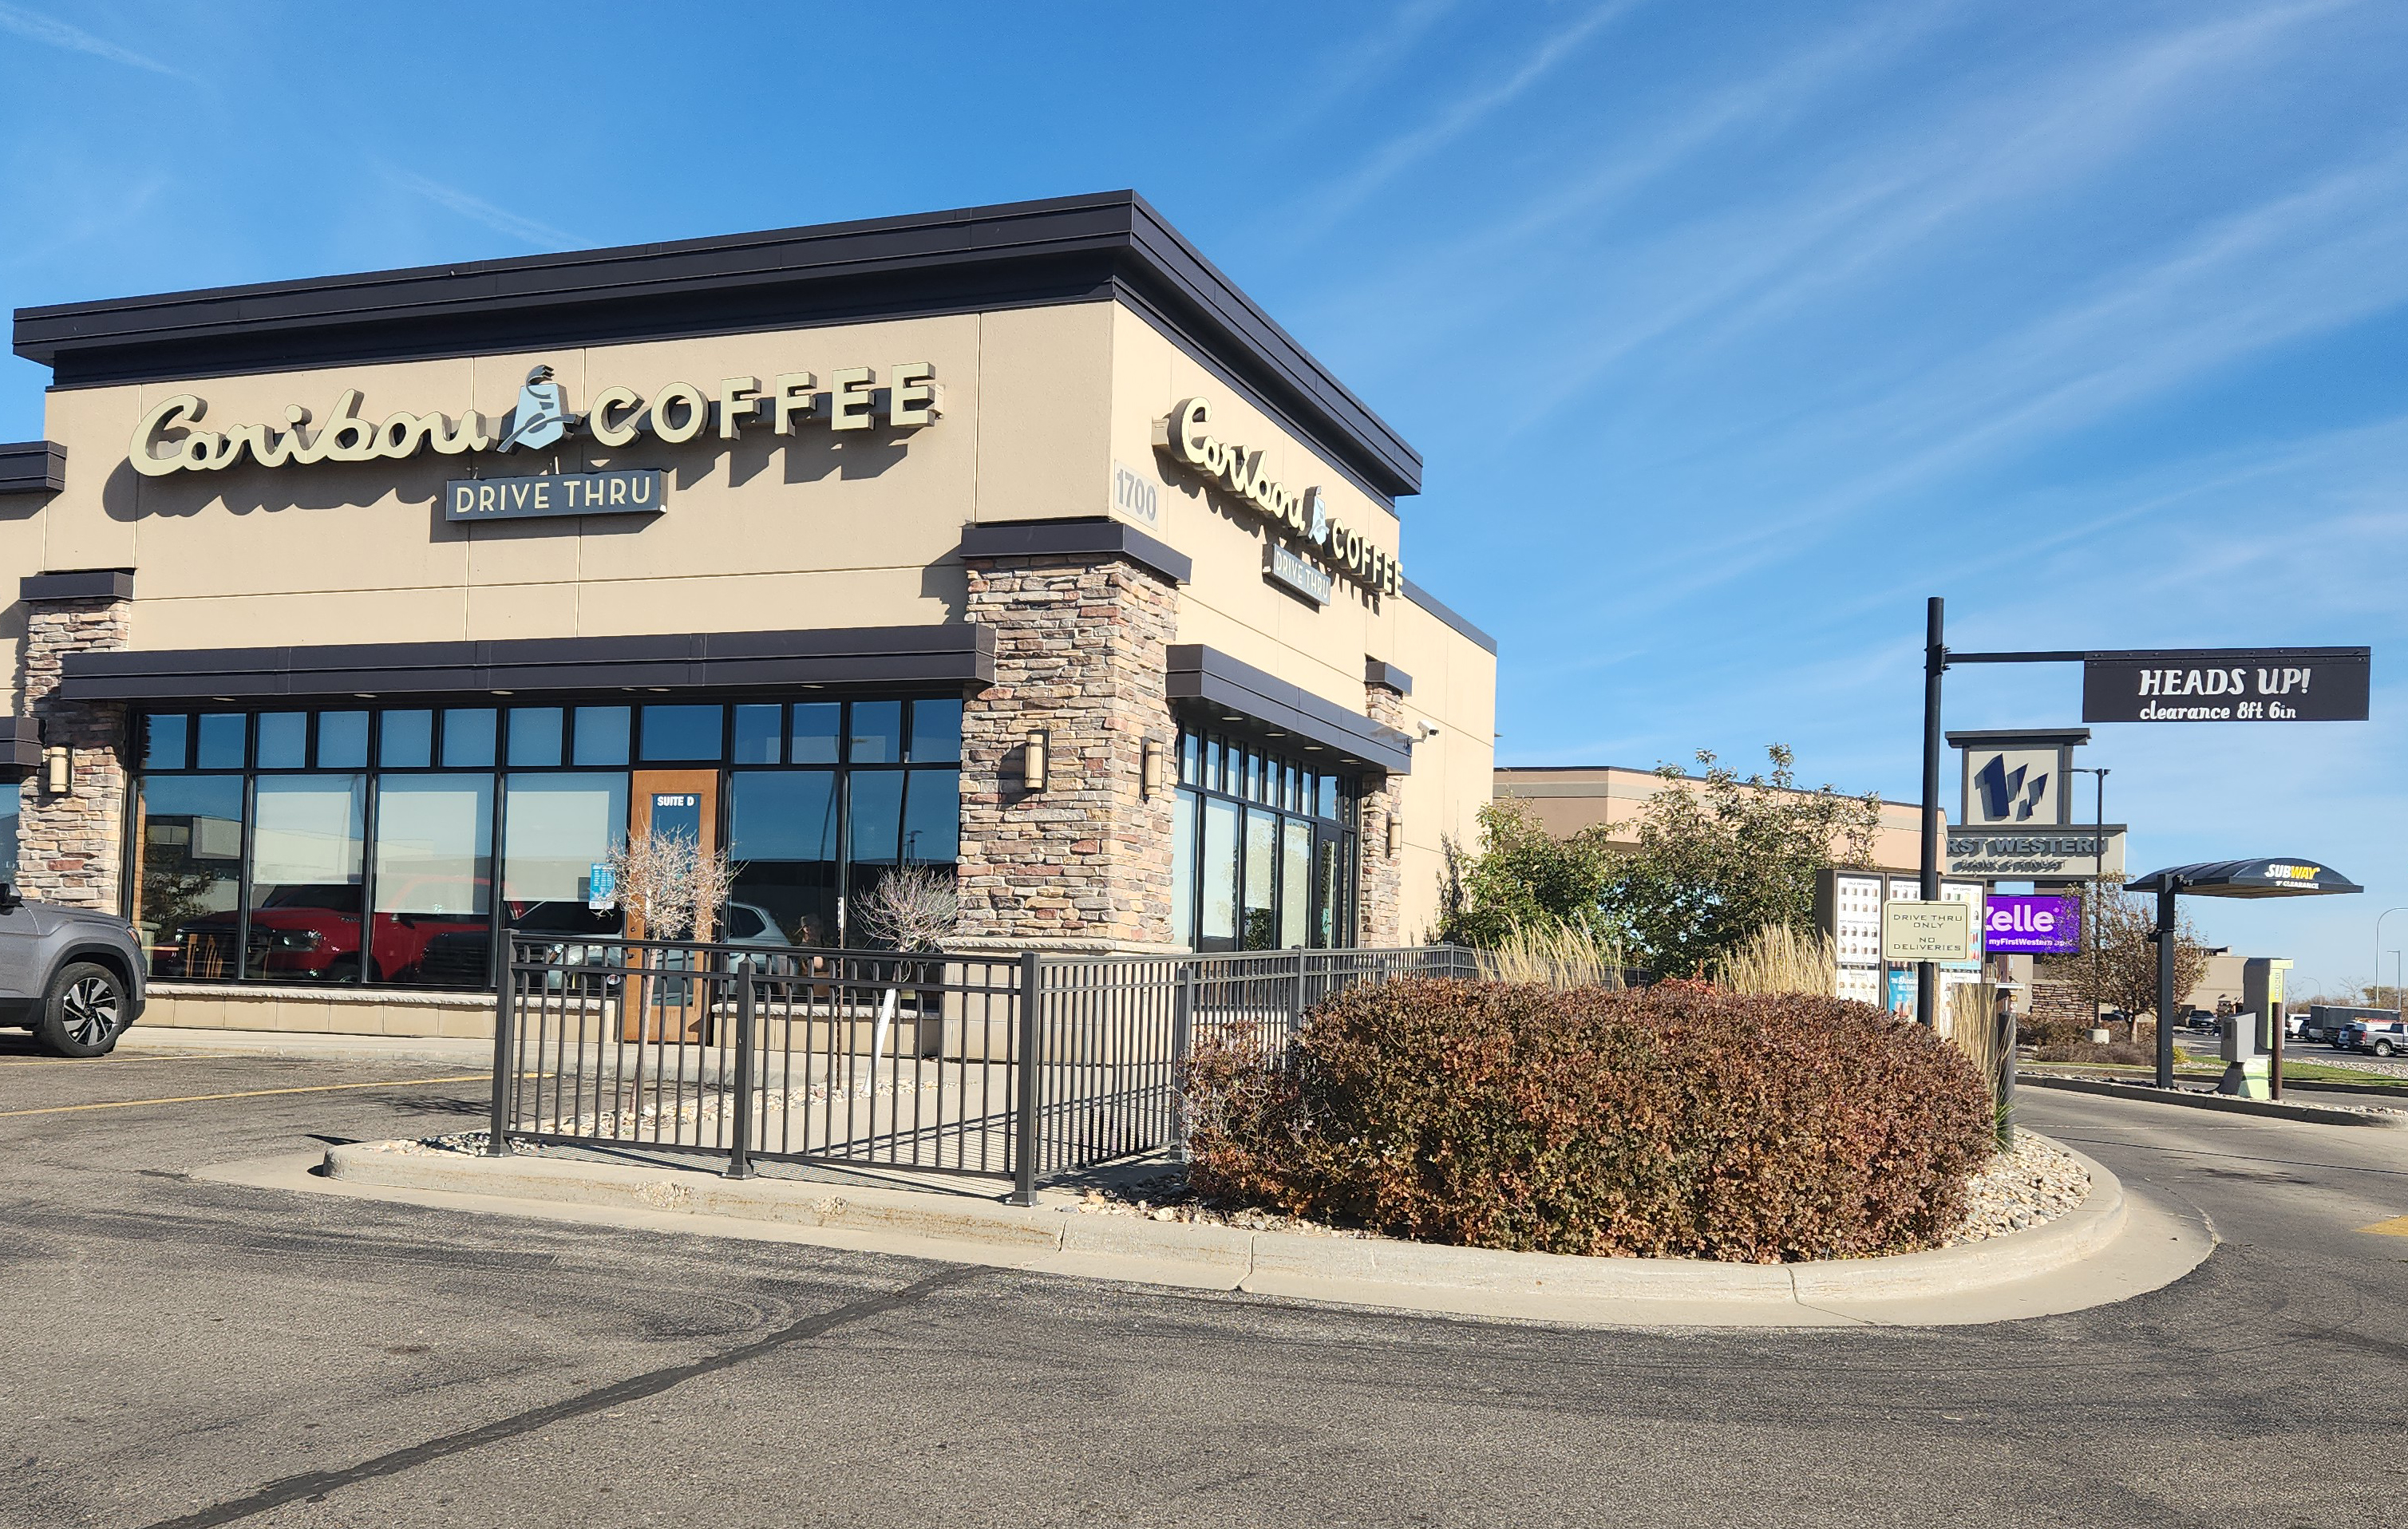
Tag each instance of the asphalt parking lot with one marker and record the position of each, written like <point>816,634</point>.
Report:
<point>183,1351</point>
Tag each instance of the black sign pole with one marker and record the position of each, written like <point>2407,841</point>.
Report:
<point>1935,664</point>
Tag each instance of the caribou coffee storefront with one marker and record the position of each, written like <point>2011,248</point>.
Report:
<point>359,617</point>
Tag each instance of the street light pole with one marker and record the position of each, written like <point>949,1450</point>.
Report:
<point>2396,1002</point>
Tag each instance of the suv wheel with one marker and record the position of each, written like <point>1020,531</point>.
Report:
<point>83,1013</point>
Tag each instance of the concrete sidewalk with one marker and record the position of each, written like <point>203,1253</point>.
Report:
<point>306,1045</point>
<point>2113,1247</point>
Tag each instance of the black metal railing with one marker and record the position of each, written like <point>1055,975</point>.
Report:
<point>1019,1068</point>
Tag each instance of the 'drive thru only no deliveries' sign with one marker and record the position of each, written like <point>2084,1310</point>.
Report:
<point>1928,932</point>
<point>2227,685</point>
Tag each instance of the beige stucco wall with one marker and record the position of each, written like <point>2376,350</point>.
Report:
<point>1567,799</point>
<point>817,530</point>
<point>1231,606</point>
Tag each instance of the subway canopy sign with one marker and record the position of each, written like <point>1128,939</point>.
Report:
<point>2227,685</point>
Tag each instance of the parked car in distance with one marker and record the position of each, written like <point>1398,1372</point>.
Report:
<point>2381,1038</point>
<point>72,976</point>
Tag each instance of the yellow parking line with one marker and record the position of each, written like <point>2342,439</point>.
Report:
<point>113,1061</point>
<point>247,1093</point>
<point>2395,1227</point>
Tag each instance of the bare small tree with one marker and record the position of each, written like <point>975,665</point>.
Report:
<point>913,909</point>
<point>2118,968</point>
<point>670,884</point>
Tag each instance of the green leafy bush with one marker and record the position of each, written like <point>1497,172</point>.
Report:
<point>1666,1121</point>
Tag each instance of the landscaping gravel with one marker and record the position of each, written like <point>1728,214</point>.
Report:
<point>2036,1181</point>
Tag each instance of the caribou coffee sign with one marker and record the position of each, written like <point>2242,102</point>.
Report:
<point>172,438</point>
<point>1299,512</point>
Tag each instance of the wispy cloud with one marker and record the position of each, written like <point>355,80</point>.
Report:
<point>37,27</point>
<point>1466,112</point>
<point>527,230</point>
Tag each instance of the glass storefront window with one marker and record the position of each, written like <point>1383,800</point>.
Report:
<point>932,818</point>
<point>781,834</point>
<point>305,863</point>
<point>877,733</point>
<point>815,732</point>
<point>1262,866</point>
<point>1274,876</point>
<point>220,740</point>
<point>10,796</point>
<point>188,884</point>
<point>359,845</point>
<point>433,879</point>
<point>1218,872</point>
<point>554,829</point>
<point>342,740</point>
<point>759,731</point>
<point>678,735</point>
<point>283,740</point>
<point>534,737</point>
<point>406,740</point>
<point>1295,874</point>
<point>876,821</point>
<point>467,737</point>
<point>163,741</point>
<point>601,735</point>
<point>935,731</point>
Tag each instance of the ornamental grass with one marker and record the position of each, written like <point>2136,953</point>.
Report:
<point>1674,1120</point>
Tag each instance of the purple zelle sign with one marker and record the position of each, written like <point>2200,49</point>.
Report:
<point>2022,924</point>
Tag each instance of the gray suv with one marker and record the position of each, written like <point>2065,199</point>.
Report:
<point>71,976</point>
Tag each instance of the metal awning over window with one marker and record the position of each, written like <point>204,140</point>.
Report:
<point>1227,692</point>
<point>962,654</point>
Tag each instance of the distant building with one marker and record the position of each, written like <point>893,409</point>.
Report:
<point>1569,797</point>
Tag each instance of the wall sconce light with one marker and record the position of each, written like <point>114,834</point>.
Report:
<point>59,765</point>
<point>1150,772</point>
<point>1033,750</point>
<point>1395,835</point>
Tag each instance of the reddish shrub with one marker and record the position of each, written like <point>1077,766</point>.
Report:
<point>1672,1120</point>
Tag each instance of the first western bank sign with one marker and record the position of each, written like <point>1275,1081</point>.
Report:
<point>1237,469</point>
<point>171,438</point>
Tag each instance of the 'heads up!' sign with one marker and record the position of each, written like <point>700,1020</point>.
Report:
<point>2022,924</point>
<point>2227,685</point>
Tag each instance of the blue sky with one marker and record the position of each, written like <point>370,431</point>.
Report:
<point>1729,333</point>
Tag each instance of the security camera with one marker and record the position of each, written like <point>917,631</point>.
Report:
<point>1428,728</point>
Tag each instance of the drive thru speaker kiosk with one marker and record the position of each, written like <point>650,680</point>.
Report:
<point>2220,879</point>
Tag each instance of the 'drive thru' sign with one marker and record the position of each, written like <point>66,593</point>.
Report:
<point>637,491</point>
<point>1928,932</point>
<point>2227,685</point>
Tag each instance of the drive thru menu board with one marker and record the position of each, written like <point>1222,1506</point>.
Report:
<point>1850,911</point>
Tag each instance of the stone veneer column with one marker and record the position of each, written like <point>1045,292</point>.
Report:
<point>70,847</point>
<point>1380,880</point>
<point>1080,653</point>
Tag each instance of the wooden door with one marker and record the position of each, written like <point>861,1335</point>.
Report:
<point>685,803</point>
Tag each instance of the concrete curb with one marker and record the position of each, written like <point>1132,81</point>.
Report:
<point>1377,1270</point>
<point>2151,1093</point>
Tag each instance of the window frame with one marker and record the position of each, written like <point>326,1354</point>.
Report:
<point>1258,777</point>
<point>502,767</point>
